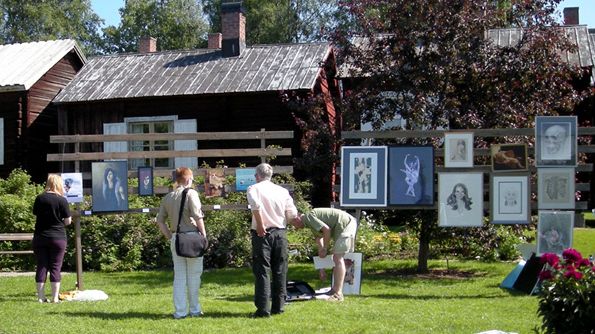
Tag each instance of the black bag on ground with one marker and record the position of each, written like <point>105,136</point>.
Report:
<point>189,244</point>
<point>298,291</point>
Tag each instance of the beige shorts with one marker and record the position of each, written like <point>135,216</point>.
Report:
<point>346,243</point>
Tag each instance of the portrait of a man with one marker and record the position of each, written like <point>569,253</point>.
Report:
<point>555,142</point>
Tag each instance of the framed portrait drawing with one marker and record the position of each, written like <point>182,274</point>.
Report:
<point>458,149</point>
<point>508,157</point>
<point>555,188</point>
<point>110,186</point>
<point>411,175</point>
<point>363,176</point>
<point>554,231</point>
<point>245,178</point>
<point>555,141</point>
<point>73,187</point>
<point>145,181</point>
<point>510,199</point>
<point>460,199</point>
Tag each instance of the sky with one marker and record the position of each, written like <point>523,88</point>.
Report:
<point>108,10</point>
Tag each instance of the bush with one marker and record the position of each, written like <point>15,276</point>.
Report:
<point>567,301</point>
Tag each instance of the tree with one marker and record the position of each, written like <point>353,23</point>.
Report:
<point>177,24</point>
<point>28,21</point>
<point>271,21</point>
<point>445,73</point>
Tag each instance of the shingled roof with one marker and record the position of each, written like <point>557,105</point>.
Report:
<point>260,68</point>
<point>23,64</point>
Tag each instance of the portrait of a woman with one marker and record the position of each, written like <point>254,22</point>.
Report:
<point>459,199</point>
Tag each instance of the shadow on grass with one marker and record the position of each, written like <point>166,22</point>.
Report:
<point>145,315</point>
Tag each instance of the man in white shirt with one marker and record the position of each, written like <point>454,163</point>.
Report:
<point>272,207</point>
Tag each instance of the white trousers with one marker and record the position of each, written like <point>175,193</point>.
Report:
<point>187,272</point>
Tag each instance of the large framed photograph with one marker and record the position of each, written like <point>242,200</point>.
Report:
<point>363,176</point>
<point>460,199</point>
<point>411,175</point>
<point>73,187</point>
<point>554,231</point>
<point>555,141</point>
<point>458,149</point>
<point>510,199</point>
<point>555,188</point>
<point>145,181</point>
<point>110,186</point>
<point>509,157</point>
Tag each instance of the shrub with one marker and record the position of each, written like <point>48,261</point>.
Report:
<point>567,302</point>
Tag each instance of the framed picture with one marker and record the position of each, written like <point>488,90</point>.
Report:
<point>215,182</point>
<point>245,178</point>
<point>411,175</point>
<point>110,186</point>
<point>460,199</point>
<point>353,271</point>
<point>510,199</point>
<point>508,157</point>
<point>145,181</point>
<point>555,188</point>
<point>73,187</point>
<point>458,149</point>
<point>555,141</point>
<point>363,176</point>
<point>554,231</point>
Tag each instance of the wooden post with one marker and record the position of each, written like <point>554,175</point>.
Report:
<point>77,231</point>
<point>262,144</point>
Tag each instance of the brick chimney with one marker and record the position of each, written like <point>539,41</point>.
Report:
<point>571,16</point>
<point>147,44</point>
<point>215,40</point>
<point>233,28</point>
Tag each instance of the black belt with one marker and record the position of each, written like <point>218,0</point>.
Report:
<point>272,229</point>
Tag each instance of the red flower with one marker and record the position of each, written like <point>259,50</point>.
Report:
<point>573,273</point>
<point>551,259</point>
<point>545,275</point>
<point>572,255</point>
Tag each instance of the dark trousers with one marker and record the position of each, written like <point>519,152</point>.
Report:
<point>49,254</point>
<point>269,265</point>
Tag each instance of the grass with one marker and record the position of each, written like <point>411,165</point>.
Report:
<point>393,300</point>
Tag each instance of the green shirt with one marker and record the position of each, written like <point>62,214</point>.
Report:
<point>336,220</point>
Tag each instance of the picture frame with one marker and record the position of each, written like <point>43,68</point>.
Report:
<point>214,182</point>
<point>555,188</point>
<point>411,175</point>
<point>110,186</point>
<point>509,157</point>
<point>73,187</point>
<point>556,141</point>
<point>145,181</point>
<point>554,231</point>
<point>510,199</point>
<point>364,176</point>
<point>353,271</point>
<point>245,178</point>
<point>458,149</point>
<point>460,199</point>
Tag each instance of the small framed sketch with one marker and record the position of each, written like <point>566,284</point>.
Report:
<point>73,187</point>
<point>460,199</point>
<point>554,231</point>
<point>145,181</point>
<point>363,176</point>
<point>555,141</point>
<point>509,157</point>
<point>458,149</point>
<point>510,199</point>
<point>555,188</point>
<point>411,175</point>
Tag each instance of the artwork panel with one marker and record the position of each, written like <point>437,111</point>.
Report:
<point>555,141</point>
<point>364,176</point>
<point>510,199</point>
<point>509,157</point>
<point>555,189</point>
<point>554,231</point>
<point>458,149</point>
<point>245,178</point>
<point>110,186</point>
<point>73,187</point>
<point>145,181</point>
<point>460,199</point>
<point>411,175</point>
<point>214,182</point>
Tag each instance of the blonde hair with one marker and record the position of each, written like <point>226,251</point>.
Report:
<point>55,184</point>
<point>183,174</point>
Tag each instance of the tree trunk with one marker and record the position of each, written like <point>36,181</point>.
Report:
<point>424,248</point>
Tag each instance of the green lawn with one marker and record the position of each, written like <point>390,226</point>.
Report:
<point>391,302</point>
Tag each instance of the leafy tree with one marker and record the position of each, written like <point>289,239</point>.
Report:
<point>445,73</point>
<point>271,21</point>
<point>177,24</point>
<point>28,21</point>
